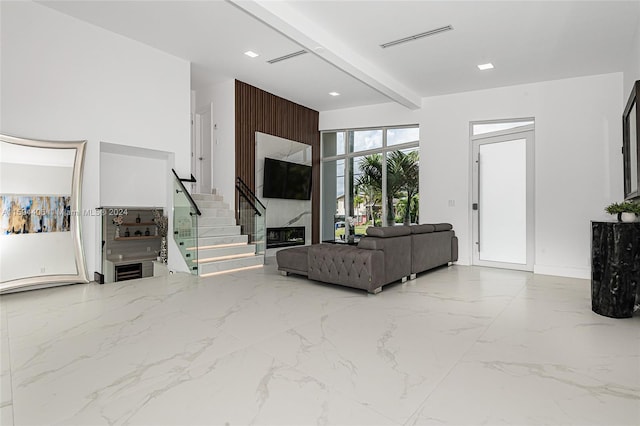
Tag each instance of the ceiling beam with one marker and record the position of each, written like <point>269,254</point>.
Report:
<point>308,34</point>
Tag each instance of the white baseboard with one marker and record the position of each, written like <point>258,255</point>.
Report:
<point>559,271</point>
<point>562,271</point>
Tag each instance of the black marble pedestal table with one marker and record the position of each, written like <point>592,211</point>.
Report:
<point>615,268</point>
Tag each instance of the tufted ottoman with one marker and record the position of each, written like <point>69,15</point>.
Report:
<point>293,260</point>
<point>347,265</point>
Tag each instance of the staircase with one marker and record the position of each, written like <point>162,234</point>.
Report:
<point>221,248</point>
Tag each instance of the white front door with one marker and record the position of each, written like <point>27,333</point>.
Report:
<point>503,215</point>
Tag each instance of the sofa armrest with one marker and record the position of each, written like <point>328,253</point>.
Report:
<point>346,265</point>
<point>397,254</point>
<point>429,250</point>
<point>454,249</point>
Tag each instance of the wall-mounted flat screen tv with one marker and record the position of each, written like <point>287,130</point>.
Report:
<point>283,179</point>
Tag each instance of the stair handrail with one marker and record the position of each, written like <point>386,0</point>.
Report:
<point>242,189</point>
<point>191,201</point>
<point>246,197</point>
<point>252,223</point>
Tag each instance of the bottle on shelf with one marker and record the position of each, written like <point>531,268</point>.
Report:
<point>147,232</point>
<point>138,218</point>
<point>127,233</point>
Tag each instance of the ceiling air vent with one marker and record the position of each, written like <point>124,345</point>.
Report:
<point>417,36</point>
<point>289,56</point>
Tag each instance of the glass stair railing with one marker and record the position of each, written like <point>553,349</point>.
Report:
<point>185,222</point>
<point>251,216</point>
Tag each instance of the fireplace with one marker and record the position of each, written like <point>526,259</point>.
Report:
<point>285,237</point>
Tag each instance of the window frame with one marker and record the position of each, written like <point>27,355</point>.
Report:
<point>384,149</point>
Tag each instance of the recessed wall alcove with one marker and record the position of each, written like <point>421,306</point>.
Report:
<point>137,177</point>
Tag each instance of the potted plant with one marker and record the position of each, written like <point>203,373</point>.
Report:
<point>627,211</point>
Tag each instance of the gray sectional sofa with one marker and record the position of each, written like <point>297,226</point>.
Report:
<point>385,255</point>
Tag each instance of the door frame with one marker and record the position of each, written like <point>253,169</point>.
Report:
<point>195,152</point>
<point>526,132</point>
<point>198,149</point>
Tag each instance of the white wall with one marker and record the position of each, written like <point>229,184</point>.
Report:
<point>578,158</point>
<point>64,79</point>
<point>632,66</point>
<point>578,162</point>
<point>223,155</point>
<point>143,175</point>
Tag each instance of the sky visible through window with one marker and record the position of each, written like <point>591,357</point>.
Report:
<point>367,139</point>
<point>398,136</point>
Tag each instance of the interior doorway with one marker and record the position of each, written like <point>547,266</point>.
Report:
<point>503,194</point>
<point>203,149</point>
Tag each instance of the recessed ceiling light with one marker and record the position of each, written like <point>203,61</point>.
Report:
<point>334,93</point>
<point>251,54</point>
<point>486,66</point>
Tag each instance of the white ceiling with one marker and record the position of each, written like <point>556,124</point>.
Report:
<point>527,41</point>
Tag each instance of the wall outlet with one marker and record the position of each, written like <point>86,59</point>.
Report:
<point>108,251</point>
<point>148,248</point>
<point>452,203</point>
<point>43,269</point>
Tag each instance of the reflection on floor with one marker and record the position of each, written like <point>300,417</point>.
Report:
<point>458,346</point>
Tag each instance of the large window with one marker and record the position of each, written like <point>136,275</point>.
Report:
<point>369,178</point>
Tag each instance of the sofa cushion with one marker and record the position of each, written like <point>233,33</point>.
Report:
<point>422,229</point>
<point>443,226</point>
<point>388,231</point>
<point>293,260</point>
<point>371,243</point>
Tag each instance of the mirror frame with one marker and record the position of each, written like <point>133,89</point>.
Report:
<point>30,283</point>
<point>626,143</point>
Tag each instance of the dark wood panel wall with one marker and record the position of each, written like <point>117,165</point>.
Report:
<point>260,111</point>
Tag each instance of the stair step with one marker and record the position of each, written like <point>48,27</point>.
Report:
<point>217,231</point>
<point>216,221</point>
<point>244,249</point>
<point>216,241</point>
<point>213,212</point>
<point>206,197</point>
<point>207,260</point>
<point>212,205</point>
<point>211,268</point>
<point>220,246</point>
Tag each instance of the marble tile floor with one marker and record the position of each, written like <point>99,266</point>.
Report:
<point>457,346</point>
